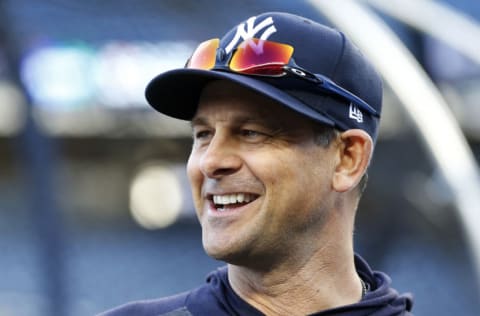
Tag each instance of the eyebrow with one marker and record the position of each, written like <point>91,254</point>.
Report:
<point>240,120</point>
<point>198,121</point>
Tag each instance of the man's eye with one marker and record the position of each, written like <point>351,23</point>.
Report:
<point>202,134</point>
<point>252,134</point>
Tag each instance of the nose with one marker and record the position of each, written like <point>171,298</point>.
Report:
<point>220,158</point>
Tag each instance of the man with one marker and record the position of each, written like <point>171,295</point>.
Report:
<point>285,114</point>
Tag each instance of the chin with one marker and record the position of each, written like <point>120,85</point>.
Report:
<point>233,248</point>
<point>237,257</point>
<point>226,253</point>
<point>218,252</point>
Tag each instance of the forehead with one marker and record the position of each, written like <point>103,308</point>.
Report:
<point>223,100</point>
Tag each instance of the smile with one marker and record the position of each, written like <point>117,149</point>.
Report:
<point>230,201</point>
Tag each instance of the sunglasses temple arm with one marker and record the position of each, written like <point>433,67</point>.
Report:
<point>350,96</point>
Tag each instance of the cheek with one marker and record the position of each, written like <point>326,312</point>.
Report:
<point>280,174</point>
<point>304,177</point>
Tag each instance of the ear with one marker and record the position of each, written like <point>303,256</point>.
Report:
<point>354,154</point>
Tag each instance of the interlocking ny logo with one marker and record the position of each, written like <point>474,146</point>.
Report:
<point>251,32</point>
<point>355,113</point>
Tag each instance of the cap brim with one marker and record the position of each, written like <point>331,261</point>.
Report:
<point>176,93</point>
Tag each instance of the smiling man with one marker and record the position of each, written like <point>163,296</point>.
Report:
<point>284,114</point>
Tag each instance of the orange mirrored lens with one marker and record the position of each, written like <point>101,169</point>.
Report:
<point>204,56</point>
<point>261,57</point>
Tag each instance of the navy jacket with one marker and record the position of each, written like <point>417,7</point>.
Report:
<point>216,298</point>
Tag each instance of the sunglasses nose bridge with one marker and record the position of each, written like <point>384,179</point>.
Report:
<point>221,55</point>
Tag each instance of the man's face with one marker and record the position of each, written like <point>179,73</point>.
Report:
<point>261,185</point>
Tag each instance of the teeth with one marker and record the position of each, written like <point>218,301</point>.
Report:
<point>240,197</point>
<point>225,199</point>
<point>232,198</point>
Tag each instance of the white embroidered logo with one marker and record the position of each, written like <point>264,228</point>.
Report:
<point>355,113</point>
<point>251,32</point>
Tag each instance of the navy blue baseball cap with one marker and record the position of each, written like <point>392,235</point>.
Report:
<point>317,48</point>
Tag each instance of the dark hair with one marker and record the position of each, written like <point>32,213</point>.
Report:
<point>323,136</point>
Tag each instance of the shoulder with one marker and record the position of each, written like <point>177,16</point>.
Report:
<point>207,299</point>
<point>171,306</point>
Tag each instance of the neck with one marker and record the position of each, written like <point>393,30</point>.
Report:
<point>323,280</point>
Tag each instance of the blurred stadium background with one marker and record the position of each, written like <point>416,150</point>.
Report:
<point>95,208</point>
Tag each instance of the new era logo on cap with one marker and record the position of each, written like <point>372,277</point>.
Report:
<point>355,113</point>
